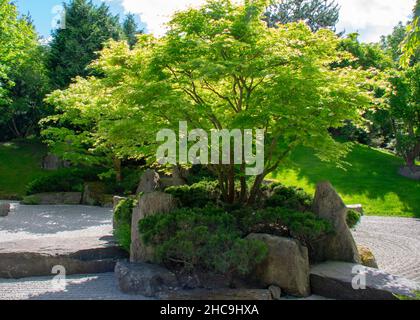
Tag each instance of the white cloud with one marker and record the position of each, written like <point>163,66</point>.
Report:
<point>156,13</point>
<point>372,18</point>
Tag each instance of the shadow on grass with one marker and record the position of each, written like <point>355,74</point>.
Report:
<point>372,173</point>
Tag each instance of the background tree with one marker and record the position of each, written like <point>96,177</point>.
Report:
<point>97,121</point>
<point>404,108</point>
<point>87,28</point>
<point>374,129</point>
<point>131,29</point>
<point>23,75</point>
<point>316,13</point>
<point>221,67</point>
<point>391,44</point>
<point>411,44</point>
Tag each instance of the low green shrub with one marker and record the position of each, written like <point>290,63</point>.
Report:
<point>31,200</point>
<point>63,180</point>
<point>198,173</point>
<point>197,195</point>
<point>128,185</point>
<point>201,238</point>
<point>288,197</point>
<point>122,223</point>
<point>303,226</point>
<point>353,218</point>
<point>122,234</point>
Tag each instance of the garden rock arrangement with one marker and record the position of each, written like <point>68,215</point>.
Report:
<point>4,209</point>
<point>284,269</point>
<point>286,266</point>
<point>339,246</point>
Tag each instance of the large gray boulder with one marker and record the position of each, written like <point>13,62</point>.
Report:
<point>4,209</point>
<point>286,266</point>
<point>144,279</point>
<point>52,162</point>
<point>348,281</point>
<point>177,178</point>
<point>149,204</point>
<point>340,245</point>
<point>149,182</point>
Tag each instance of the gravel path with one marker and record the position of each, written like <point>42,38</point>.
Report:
<point>395,243</point>
<point>33,222</point>
<point>84,287</point>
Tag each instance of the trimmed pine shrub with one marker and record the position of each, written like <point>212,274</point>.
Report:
<point>205,239</point>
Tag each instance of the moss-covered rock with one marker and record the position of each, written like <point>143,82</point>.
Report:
<point>367,257</point>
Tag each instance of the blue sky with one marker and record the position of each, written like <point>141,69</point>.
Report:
<point>43,13</point>
<point>371,18</point>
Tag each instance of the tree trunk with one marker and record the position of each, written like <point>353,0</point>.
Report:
<point>118,171</point>
<point>411,157</point>
<point>15,129</point>
<point>244,187</point>
<point>256,189</point>
<point>231,184</point>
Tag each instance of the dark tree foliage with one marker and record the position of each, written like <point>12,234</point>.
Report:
<point>87,28</point>
<point>317,14</point>
<point>131,29</point>
<point>30,85</point>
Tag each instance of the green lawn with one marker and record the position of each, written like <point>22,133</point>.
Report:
<point>20,162</point>
<point>371,180</point>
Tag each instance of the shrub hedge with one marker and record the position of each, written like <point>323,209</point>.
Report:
<point>122,223</point>
<point>63,180</point>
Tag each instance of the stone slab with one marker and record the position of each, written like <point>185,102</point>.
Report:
<point>37,257</point>
<point>335,280</point>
